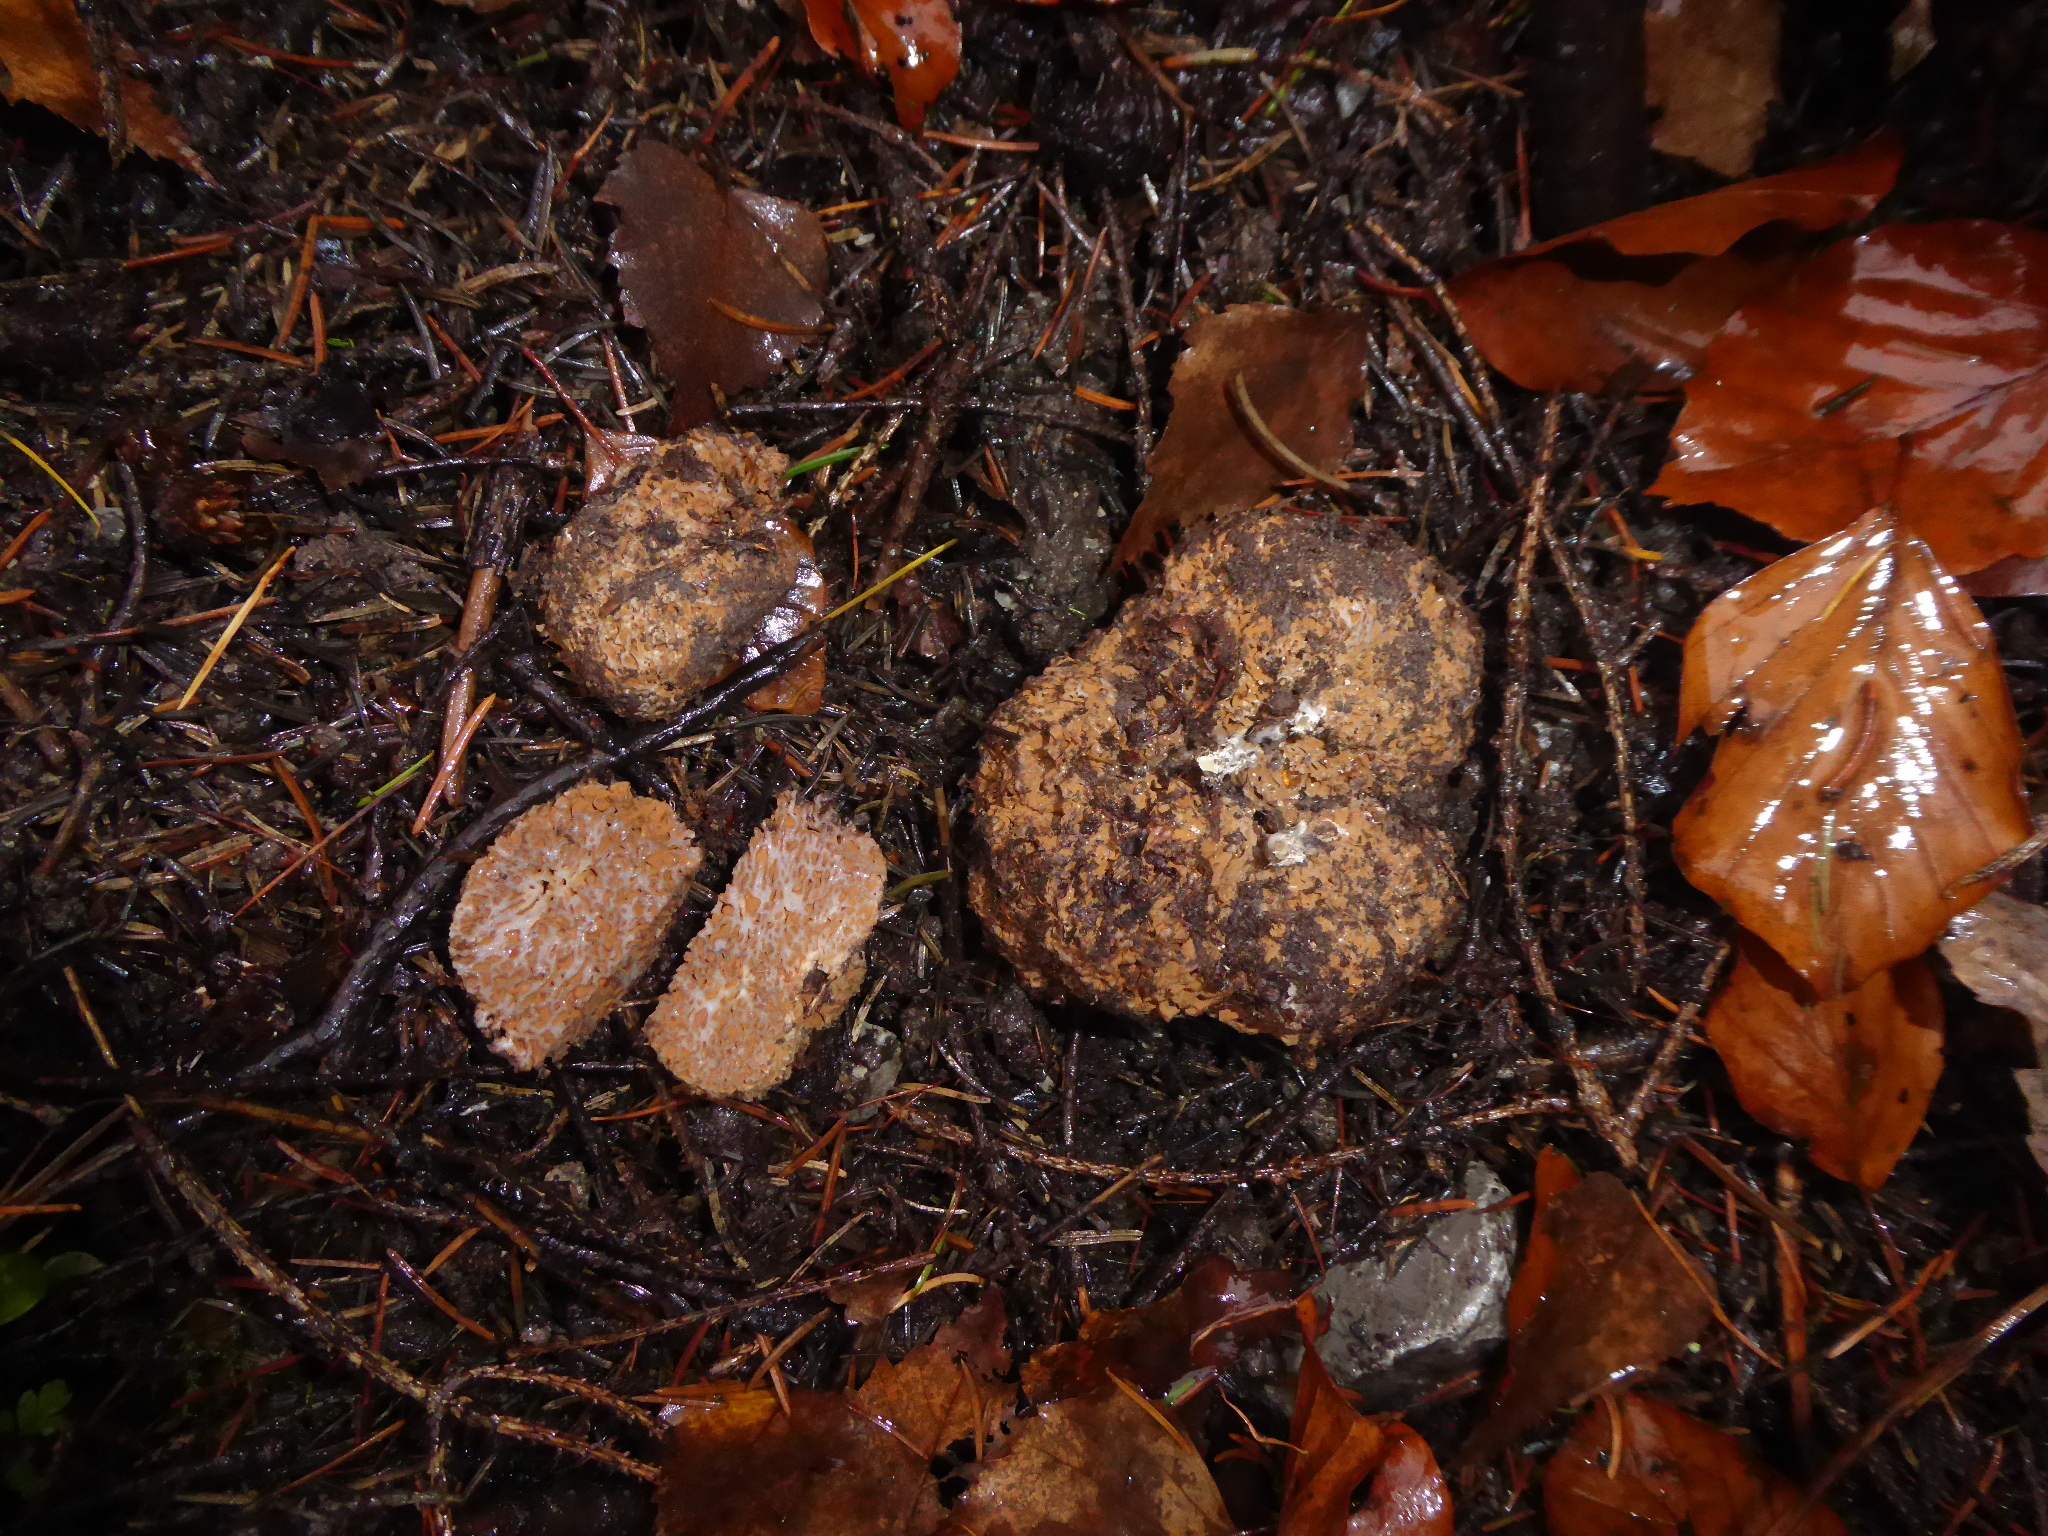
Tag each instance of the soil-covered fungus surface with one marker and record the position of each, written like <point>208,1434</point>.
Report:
<point>686,846</point>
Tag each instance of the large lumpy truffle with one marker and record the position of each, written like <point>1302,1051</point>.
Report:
<point>1230,802</point>
<point>655,590</point>
<point>779,958</point>
<point>566,912</point>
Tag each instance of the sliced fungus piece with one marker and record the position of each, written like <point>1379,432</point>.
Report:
<point>565,912</point>
<point>779,958</point>
<point>1869,755</point>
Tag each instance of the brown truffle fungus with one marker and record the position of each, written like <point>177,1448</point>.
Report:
<point>656,589</point>
<point>565,913</point>
<point>1230,802</point>
<point>779,958</point>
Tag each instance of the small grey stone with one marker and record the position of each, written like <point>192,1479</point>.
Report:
<point>1404,1324</point>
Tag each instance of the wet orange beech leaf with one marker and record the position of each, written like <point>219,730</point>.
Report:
<point>1852,1075</point>
<point>1620,1301</point>
<point>1216,1310</point>
<point>1908,367</point>
<point>48,56</point>
<point>727,283</point>
<point>1647,292</point>
<point>1103,1463</point>
<point>745,1468</point>
<point>1335,1450</point>
<point>1870,755</point>
<point>916,41</point>
<point>1555,1173</point>
<point>1673,1476</point>
<point>1302,374</point>
<point>945,1390</point>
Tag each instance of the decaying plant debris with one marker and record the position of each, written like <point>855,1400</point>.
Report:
<point>357,1273</point>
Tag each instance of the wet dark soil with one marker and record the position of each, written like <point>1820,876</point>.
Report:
<point>368,1279</point>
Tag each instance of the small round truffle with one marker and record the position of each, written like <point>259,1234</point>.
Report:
<point>779,958</point>
<point>566,912</point>
<point>1230,802</point>
<point>655,589</point>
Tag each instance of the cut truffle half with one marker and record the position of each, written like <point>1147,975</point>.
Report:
<point>659,588</point>
<point>566,912</point>
<point>779,958</point>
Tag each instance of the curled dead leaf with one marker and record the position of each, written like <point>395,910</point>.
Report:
<point>1643,295</point>
<point>1908,367</point>
<point>1105,1462</point>
<point>1302,373</point>
<point>745,1467</point>
<point>1851,1075</point>
<point>1635,1467</point>
<point>1999,950</point>
<point>1621,1301</point>
<point>728,283</point>
<point>1870,756</point>
<point>916,41</point>
<point>49,59</point>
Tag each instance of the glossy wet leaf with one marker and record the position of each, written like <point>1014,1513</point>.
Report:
<point>1302,373</point>
<point>728,283</point>
<point>743,1467</point>
<point>1852,1076</point>
<point>1216,1310</point>
<point>1621,1301</point>
<point>1643,295</point>
<point>945,1391</point>
<point>1674,1476</point>
<point>1903,368</point>
<point>1555,1174</point>
<point>1712,76</point>
<point>1869,755</point>
<point>917,42</point>
<point>1335,1450</point>
<point>49,59</point>
<point>1100,1463</point>
<point>800,690</point>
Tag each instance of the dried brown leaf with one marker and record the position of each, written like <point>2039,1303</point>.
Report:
<point>1999,950</point>
<point>1301,372</point>
<point>49,57</point>
<point>745,1468</point>
<point>1852,1075</point>
<point>1104,1464</point>
<point>1875,760</point>
<point>945,1390</point>
<point>697,262</point>
<point>1674,1476</point>
<point>1713,70</point>
<point>1621,1301</point>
